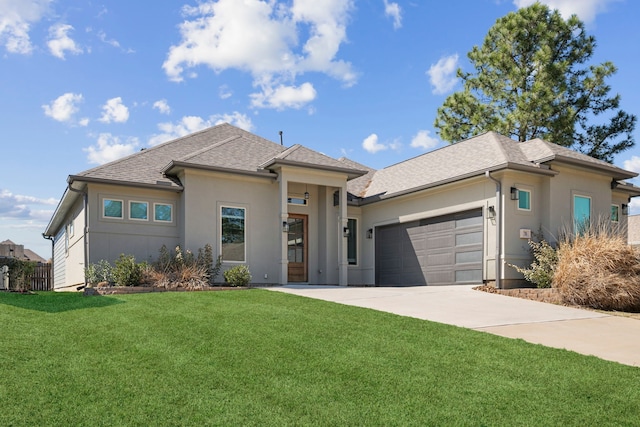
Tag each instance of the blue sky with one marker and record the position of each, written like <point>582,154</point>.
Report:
<point>85,82</point>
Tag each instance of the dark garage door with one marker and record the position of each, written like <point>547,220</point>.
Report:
<point>436,251</point>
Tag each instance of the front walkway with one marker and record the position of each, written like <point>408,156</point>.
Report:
<point>608,337</point>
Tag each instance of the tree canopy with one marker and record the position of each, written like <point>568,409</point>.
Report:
<point>533,79</point>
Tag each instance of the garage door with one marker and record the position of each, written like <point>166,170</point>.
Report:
<point>436,251</point>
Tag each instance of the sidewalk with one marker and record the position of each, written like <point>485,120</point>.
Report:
<point>587,332</point>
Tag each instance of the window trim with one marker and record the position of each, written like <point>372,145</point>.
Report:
<point>304,202</point>
<point>529,192</point>
<point>130,210</point>
<point>244,231</point>
<point>155,204</point>
<point>353,235</point>
<point>105,199</point>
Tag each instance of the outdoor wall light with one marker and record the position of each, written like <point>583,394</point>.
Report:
<point>345,231</point>
<point>285,227</point>
<point>625,209</point>
<point>306,192</point>
<point>491,212</point>
<point>514,193</point>
<point>370,233</point>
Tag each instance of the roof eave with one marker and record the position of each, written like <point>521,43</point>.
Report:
<point>174,166</point>
<point>613,171</point>
<point>351,173</point>
<point>504,166</point>
<point>159,185</point>
<point>68,199</point>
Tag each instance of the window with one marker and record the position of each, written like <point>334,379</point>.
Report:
<point>112,208</point>
<point>162,212</point>
<point>71,229</point>
<point>139,211</point>
<point>352,242</point>
<point>524,200</point>
<point>233,234</point>
<point>581,213</point>
<point>297,201</point>
<point>615,213</point>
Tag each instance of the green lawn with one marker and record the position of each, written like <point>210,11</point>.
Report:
<point>266,358</point>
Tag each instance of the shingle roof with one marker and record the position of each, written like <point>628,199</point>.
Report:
<point>489,151</point>
<point>223,146</point>
<point>358,186</point>
<point>300,155</point>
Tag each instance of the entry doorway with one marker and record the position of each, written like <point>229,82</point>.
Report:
<point>297,248</point>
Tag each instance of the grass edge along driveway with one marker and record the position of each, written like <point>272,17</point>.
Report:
<point>267,358</point>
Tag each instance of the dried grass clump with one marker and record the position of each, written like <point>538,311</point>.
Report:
<point>598,269</point>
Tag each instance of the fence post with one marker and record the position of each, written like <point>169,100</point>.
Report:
<point>5,277</point>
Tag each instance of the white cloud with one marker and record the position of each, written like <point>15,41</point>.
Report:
<point>64,107</point>
<point>162,106</point>
<point>443,74</point>
<point>59,41</point>
<point>16,18</point>
<point>21,207</point>
<point>424,141</point>
<point>372,145</point>
<point>114,111</point>
<point>191,124</point>
<point>109,148</point>
<point>224,92</point>
<point>112,42</point>
<point>393,11</point>
<point>632,164</point>
<point>263,38</point>
<point>283,97</point>
<point>585,9</point>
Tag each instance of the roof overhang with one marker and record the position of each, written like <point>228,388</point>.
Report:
<point>610,170</point>
<point>505,166</point>
<point>174,167</point>
<point>351,173</point>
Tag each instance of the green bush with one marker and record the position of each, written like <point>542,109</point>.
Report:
<point>545,261</point>
<point>99,273</point>
<point>238,276</point>
<point>127,272</point>
<point>19,272</point>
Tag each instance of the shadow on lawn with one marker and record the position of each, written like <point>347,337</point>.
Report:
<point>55,302</point>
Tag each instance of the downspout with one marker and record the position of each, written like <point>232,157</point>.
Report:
<point>498,228</point>
<point>52,240</point>
<point>85,231</point>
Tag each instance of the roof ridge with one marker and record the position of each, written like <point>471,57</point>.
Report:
<point>288,151</point>
<point>210,147</point>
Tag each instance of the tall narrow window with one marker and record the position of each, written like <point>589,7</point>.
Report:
<point>524,200</point>
<point>111,208</point>
<point>233,234</point>
<point>352,242</point>
<point>581,213</point>
<point>615,213</point>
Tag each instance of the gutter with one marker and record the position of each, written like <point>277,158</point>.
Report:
<point>498,227</point>
<point>85,231</point>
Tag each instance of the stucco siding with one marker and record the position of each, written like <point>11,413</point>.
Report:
<point>110,237</point>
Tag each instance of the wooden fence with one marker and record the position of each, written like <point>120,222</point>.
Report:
<point>41,279</point>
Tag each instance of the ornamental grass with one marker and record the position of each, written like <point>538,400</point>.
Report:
<point>598,269</point>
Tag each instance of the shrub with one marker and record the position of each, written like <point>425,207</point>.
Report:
<point>238,276</point>
<point>99,273</point>
<point>181,269</point>
<point>598,269</point>
<point>19,272</point>
<point>127,272</point>
<point>545,260</point>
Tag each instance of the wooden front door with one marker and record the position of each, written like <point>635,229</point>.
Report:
<point>297,248</point>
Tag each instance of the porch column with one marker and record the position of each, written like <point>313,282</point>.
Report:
<point>343,263</point>
<point>284,259</point>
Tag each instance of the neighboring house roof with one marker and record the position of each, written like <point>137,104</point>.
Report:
<point>472,157</point>
<point>32,256</point>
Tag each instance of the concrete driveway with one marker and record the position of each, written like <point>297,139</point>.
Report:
<point>587,332</point>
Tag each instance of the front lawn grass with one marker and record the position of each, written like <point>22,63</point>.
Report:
<point>267,358</point>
